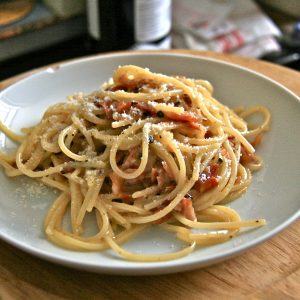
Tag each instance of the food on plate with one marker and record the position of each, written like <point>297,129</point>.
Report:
<point>144,150</point>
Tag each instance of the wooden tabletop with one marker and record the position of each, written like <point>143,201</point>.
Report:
<point>269,271</point>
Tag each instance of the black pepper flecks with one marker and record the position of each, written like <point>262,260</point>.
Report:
<point>118,200</point>
<point>160,114</point>
<point>146,114</point>
<point>188,196</point>
<point>151,139</point>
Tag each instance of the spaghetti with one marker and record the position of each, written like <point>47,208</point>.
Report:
<point>144,149</point>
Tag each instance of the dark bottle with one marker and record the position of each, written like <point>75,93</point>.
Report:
<point>121,24</point>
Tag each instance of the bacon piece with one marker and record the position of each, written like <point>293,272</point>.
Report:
<point>123,106</point>
<point>257,140</point>
<point>208,179</point>
<point>184,117</point>
<point>167,169</point>
<point>187,209</point>
<point>132,159</point>
<point>163,175</point>
<point>154,174</point>
<point>205,183</point>
<point>117,183</point>
<point>164,178</point>
<point>246,156</point>
<point>188,118</point>
<point>214,170</point>
<point>108,109</point>
<point>185,129</point>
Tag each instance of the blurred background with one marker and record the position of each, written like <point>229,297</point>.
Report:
<point>34,33</point>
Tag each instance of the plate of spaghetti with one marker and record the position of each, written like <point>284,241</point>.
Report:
<point>146,163</point>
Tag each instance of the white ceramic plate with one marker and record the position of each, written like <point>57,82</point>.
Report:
<point>274,194</point>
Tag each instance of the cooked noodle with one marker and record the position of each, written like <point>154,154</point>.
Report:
<point>144,149</point>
